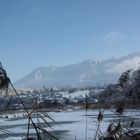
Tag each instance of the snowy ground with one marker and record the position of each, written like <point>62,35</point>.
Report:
<point>75,94</point>
<point>71,124</point>
<point>79,93</point>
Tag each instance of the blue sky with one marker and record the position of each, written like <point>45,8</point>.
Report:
<point>37,33</point>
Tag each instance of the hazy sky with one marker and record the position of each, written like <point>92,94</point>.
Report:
<point>61,32</point>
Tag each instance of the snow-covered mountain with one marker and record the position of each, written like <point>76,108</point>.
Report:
<point>86,73</point>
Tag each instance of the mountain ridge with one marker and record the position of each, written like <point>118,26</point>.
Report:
<point>87,73</point>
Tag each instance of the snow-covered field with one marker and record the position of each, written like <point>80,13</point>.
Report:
<point>75,94</point>
<point>71,124</point>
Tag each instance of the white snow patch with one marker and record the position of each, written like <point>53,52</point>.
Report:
<point>38,74</point>
<point>75,94</point>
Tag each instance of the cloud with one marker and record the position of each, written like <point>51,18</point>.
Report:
<point>125,65</point>
<point>114,36</point>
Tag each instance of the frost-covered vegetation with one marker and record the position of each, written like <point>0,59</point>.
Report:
<point>126,90</point>
<point>120,96</point>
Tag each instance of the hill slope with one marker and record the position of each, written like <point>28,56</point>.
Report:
<point>86,73</point>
